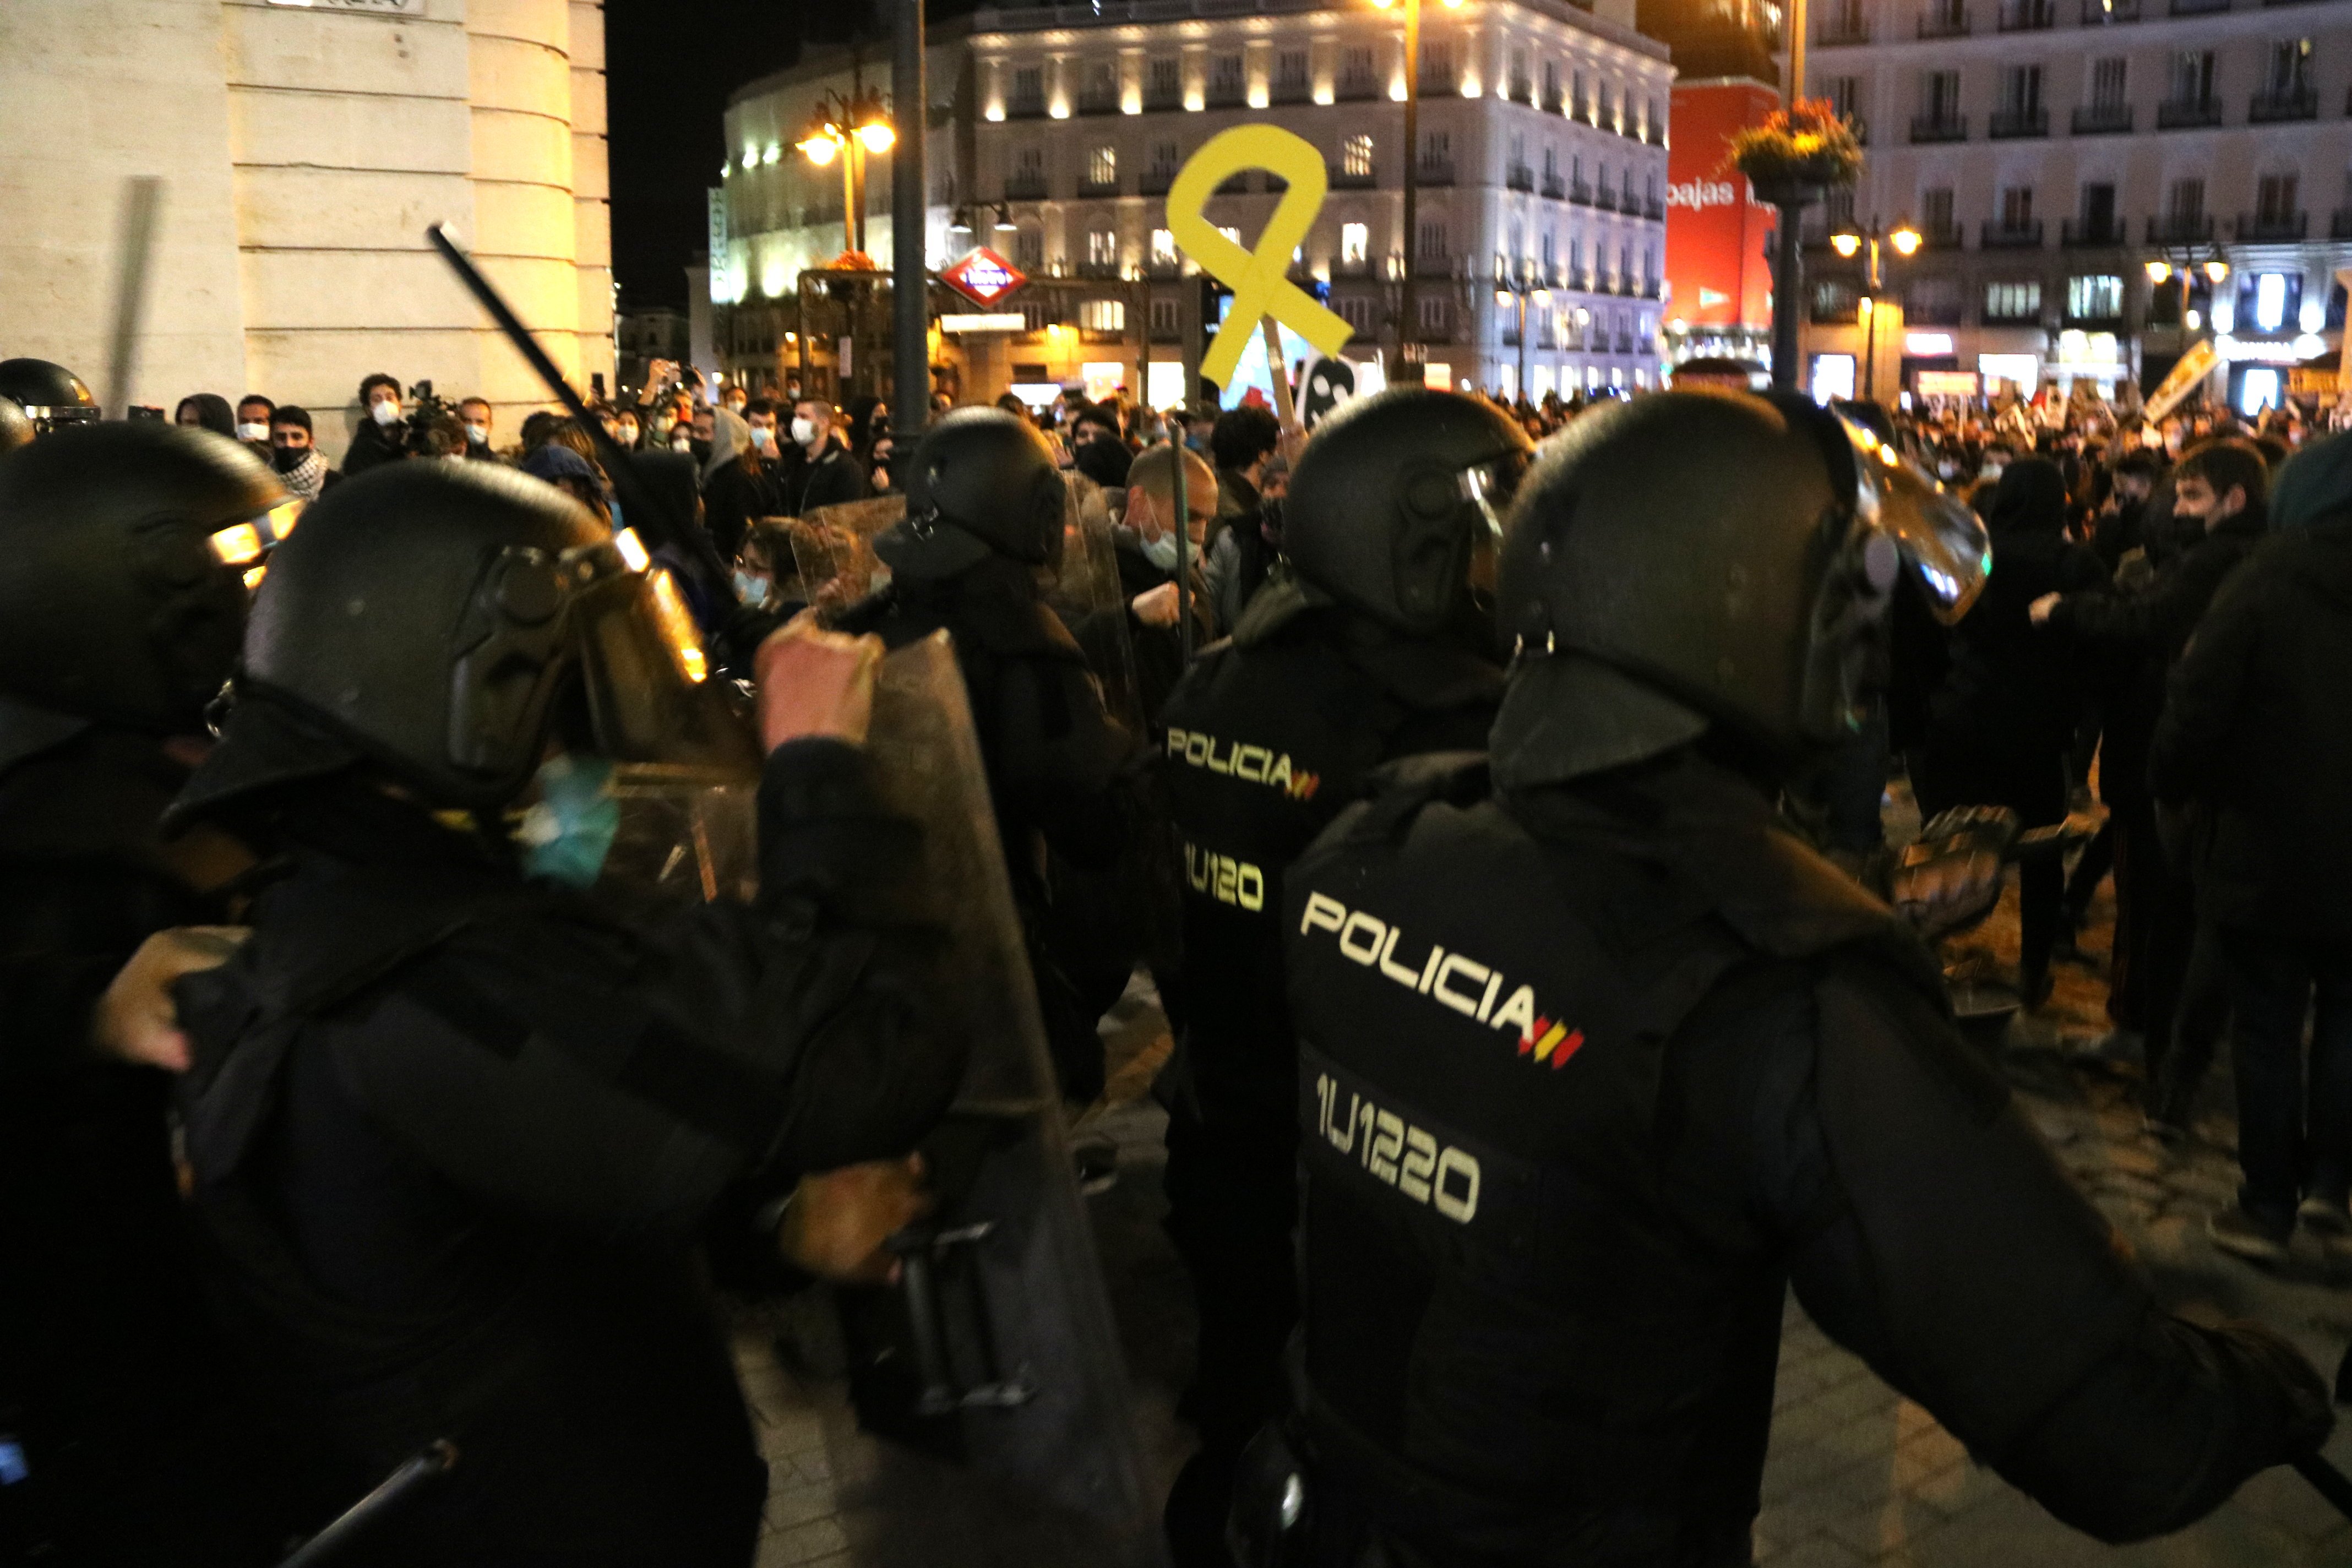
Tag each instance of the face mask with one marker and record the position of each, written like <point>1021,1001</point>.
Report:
<point>1946,469</point>
<point>286,460</point>
<point>253,432</point>
<point>385,413</point>
<point>681,443</point>
<point>1161,551</point>
<point>1989,471</point>
<point>628,438</point>
<point>568,834</point>
<point>663,427</point>
<point>804,431</point>
<point>751,589</point>
<point>763,439</point>
<point>478,435</point>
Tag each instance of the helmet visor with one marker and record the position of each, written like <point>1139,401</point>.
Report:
<point>1940,539</point>
<point>650,695</point>
<point>1491,487</point>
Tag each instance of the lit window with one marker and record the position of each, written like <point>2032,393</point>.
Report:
<point>1163,247</point>
<point>1355,240</point>
<point>1103,315</point>
<point>1356,157</point>
<point>1102,166</point>
<point>2270,302</point>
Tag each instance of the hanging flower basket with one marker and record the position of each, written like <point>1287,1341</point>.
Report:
<point>852,262</point>
<point>1799,151</point>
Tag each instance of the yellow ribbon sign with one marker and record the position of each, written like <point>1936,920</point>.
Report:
<point>1256,276</point>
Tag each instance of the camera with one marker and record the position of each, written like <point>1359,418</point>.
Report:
<point>433,428</point>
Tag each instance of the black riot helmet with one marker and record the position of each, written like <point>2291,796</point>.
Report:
<point>1395,495</point>
<point>51,395</point>
<point>1711,558</point>
<point>440,621</point>
<point>123,554</point>
<point>982,483</point>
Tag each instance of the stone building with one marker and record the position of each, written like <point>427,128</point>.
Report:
<point>304,148</point>
<point>2049,150</point>
<point>1057,130</point>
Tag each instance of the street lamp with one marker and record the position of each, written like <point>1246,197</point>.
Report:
<point>2172,264</point>
<point>1517,289</point>
<point>1849,243</point>
<point>1406,319</point>
<point>848,129</point>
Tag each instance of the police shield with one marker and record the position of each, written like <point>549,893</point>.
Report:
<point>997,1350</point>
<point>832,548</point>
<point>1082,586</point>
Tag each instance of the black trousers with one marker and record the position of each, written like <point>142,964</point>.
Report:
<point>2034,786</point>
<point>2155,925</point>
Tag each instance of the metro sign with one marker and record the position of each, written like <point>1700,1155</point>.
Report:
<point>983,277</point>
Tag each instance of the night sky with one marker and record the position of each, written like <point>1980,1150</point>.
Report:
<point>670,65</point>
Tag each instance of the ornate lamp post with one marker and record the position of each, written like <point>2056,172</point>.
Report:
<point>848,129</point>
<point>1792,160</point>
<point>1848,243</point>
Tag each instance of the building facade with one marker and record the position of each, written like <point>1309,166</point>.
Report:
<point>2049,150</point>
<point>1541,175</point>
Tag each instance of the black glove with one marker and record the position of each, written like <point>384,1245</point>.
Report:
<point>1950,877</point>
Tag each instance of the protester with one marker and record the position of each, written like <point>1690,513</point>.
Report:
<point>739,480</point>
<point>2256,740</point>
<point>826,473</point>
<point>253,416</point>
<point>207,411</point>
<point>382,437</point>
<point>476,414</point>
<point>298,464</point>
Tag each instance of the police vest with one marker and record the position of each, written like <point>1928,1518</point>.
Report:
<point>1510,1342</point>
<point>1264,744</point>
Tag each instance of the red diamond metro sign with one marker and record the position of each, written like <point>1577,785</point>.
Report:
<point>983,277</point>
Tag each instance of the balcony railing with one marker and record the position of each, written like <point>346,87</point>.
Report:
<point>1554,187</point>
<point>1581,194</point>
<point>1654,207</point>
<point>2179,229</point>
<point>2283,103</point>
<point>1098,270</point>
<point>1944,22</point>
<point>2188,115</point>
<point>1098,187</point>
<point>1342,180</point>
<point>1353,89</point>
<point>2339,225</point>
<point>2026,15</point>
<point>2272,227</point>
<point>1233,184</point>
<point>1227,95</point>
<point>1523,87</point>
<point>1024,106</point>
<point>1352,267</point>
<point>1997,235</point>
<point>2102,12</point>
<point>1293,92</point>
<point>1605,198</point>
<point>1940,128</point>
<point>2104,120</point>
<point>1159,100</point>
<point>1163,269</point>
<point>1099,103</point>
<point>1835,32</point>
<point>2017,124</point>
<point>1155,181</point>
<point>1024,187</point>
<point>1432,267</point>
<point>1950,237</point>
<point>1520,177</point>
<point>2083,233</point>
<point>1438,83</point>
<point>1433,172</point>
<point>2199,8</point>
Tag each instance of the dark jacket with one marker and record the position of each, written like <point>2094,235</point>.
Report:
<point>1160,650</point>
<point>2257,731</point>
<point>373,445</point>
<point>831,477</point>
<point>2131,640</point>
<point>2008,685</point>
<point>733,498</point>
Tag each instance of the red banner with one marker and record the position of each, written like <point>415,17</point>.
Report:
<point>1717,233</point>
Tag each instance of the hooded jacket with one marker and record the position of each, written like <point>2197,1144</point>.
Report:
<point>734,491</point>
<point>2255,728</point>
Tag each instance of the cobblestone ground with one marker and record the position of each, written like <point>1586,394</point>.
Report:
<point>1856,1475</point>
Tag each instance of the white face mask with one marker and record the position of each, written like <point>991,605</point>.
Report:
<point>253,432</point>
<point>386,412</point>
<point>480,434</point>
<point>1161,551</point>
<point>763,438</point>
<point>681,442</point>
<point>664,425</point>
<point>805,431</point>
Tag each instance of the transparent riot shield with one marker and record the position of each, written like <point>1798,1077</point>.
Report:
<point>685,834</point>
<point>997,1350</point>
<point>1082,586</point>
<point>833,546</point>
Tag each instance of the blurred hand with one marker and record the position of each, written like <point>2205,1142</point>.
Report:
<point>1155,607</point>
<point>815,682</point>
<point>2039,611</point>
<point>135,1021</point>
<point>838,1220</point>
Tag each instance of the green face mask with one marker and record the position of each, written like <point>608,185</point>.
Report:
<point>567,835</point>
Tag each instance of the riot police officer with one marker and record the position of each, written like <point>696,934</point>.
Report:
<point>454,1127</point>
<point>1597,1059</point>
<point>985,509</point>
<point>1380,645</point>
<point>48,395</point>
<point>122,548</point>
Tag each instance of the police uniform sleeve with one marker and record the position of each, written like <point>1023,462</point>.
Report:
<point>1932,1234</point>
<point>614,1079</point>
